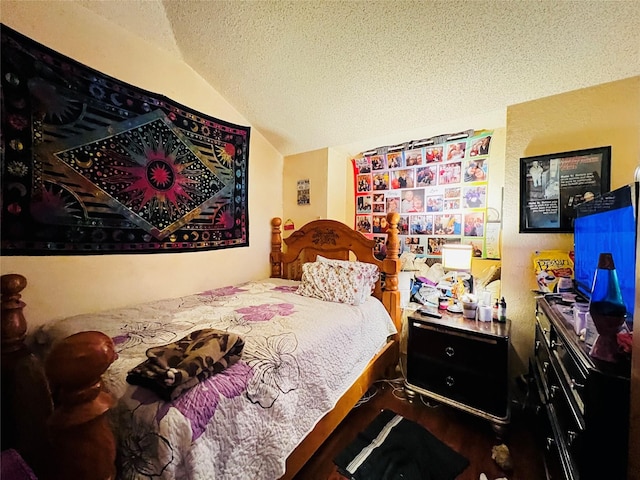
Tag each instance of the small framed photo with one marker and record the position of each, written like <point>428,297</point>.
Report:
<point>363,204</point>
<point>551,186</point>
<point>413,157</point>
<point>378,162</point>
<point>456,150</point>
<point>434,154</point>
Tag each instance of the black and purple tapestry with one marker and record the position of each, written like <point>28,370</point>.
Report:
<point>93,165</point>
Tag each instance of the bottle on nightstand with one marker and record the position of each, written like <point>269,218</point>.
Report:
<point>502,311</point>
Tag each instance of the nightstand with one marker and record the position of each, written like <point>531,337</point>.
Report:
<point>462,363</point>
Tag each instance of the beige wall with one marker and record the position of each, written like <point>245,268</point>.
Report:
<point>61,285</point>
<point>340,193</point>
<point>312,166</point>
<point>607,114</point>
<point>327,170</point>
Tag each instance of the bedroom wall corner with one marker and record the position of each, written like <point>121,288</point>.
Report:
<point>60,286</point>
<point>330,174</point>
<point>312,166</point>
<point>340,188</point>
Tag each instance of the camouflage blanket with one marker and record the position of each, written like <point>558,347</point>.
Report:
<point>176,367</point>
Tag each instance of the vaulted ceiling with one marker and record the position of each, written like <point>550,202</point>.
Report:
<point>314,74</point>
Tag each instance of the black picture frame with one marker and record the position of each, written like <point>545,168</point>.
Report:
<point>552,185</point>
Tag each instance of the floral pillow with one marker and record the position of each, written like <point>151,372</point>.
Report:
<point>367,269</point>
<point>321,259</point>
<point>338,281</point>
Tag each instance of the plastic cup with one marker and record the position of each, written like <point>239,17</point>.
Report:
<point>469,309</point>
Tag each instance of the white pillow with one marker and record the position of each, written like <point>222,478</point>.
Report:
<point>338,281</point>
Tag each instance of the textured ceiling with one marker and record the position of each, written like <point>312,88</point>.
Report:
<point>314,74</point>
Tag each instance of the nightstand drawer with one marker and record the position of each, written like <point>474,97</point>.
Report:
<point>486,392</point>
<point>474,352</point>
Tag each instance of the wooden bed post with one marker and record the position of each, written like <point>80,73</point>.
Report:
<point>391,294</point>
<point>26,402</point>
<point>14,325</point>
<point>83,444</point>
<point>276,248</point>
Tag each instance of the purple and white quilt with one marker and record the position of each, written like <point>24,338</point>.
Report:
<point>300,355</point>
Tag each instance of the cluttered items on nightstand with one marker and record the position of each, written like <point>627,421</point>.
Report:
<point>431,289</point>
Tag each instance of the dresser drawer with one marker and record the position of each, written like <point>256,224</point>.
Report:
<point>545,325</point>
<point>570,425</point>
<point>542,362</point>
<point>556,450</point>
<point>573,375</point>
<point>543,430</point>
<point>458,349</point>
<point>551,452</point>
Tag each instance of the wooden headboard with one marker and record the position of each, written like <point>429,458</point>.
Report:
<point>333,239</point>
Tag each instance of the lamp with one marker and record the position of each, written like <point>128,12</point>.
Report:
<point>456,258</point>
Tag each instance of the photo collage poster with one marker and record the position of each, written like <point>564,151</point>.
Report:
<point>439,188</point>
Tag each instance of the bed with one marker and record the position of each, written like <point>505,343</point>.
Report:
<point>210,431</point>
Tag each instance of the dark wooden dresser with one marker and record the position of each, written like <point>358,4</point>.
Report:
<point>462,363</point>
<point>582,403</point>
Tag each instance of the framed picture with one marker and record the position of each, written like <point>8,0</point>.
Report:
<point>552,185</point>
<point>304,198</point>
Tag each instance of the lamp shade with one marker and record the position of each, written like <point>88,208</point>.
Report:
<point>456,257</point>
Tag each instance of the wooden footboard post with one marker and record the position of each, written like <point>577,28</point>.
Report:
<point>14,325</point>
<point>26,403</point>
<point>83,443</point>
<point>276,248</point>
<point>391,294</point>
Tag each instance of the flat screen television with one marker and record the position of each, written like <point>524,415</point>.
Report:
<point>608,224</point>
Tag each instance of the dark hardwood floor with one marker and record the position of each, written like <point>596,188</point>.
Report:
<point>468,435</point>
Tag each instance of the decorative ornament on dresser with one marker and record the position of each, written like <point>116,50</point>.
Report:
<point>607,309</point>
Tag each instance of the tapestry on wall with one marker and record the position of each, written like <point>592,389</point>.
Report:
<point>437,185</point>
<point>93,165</point>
